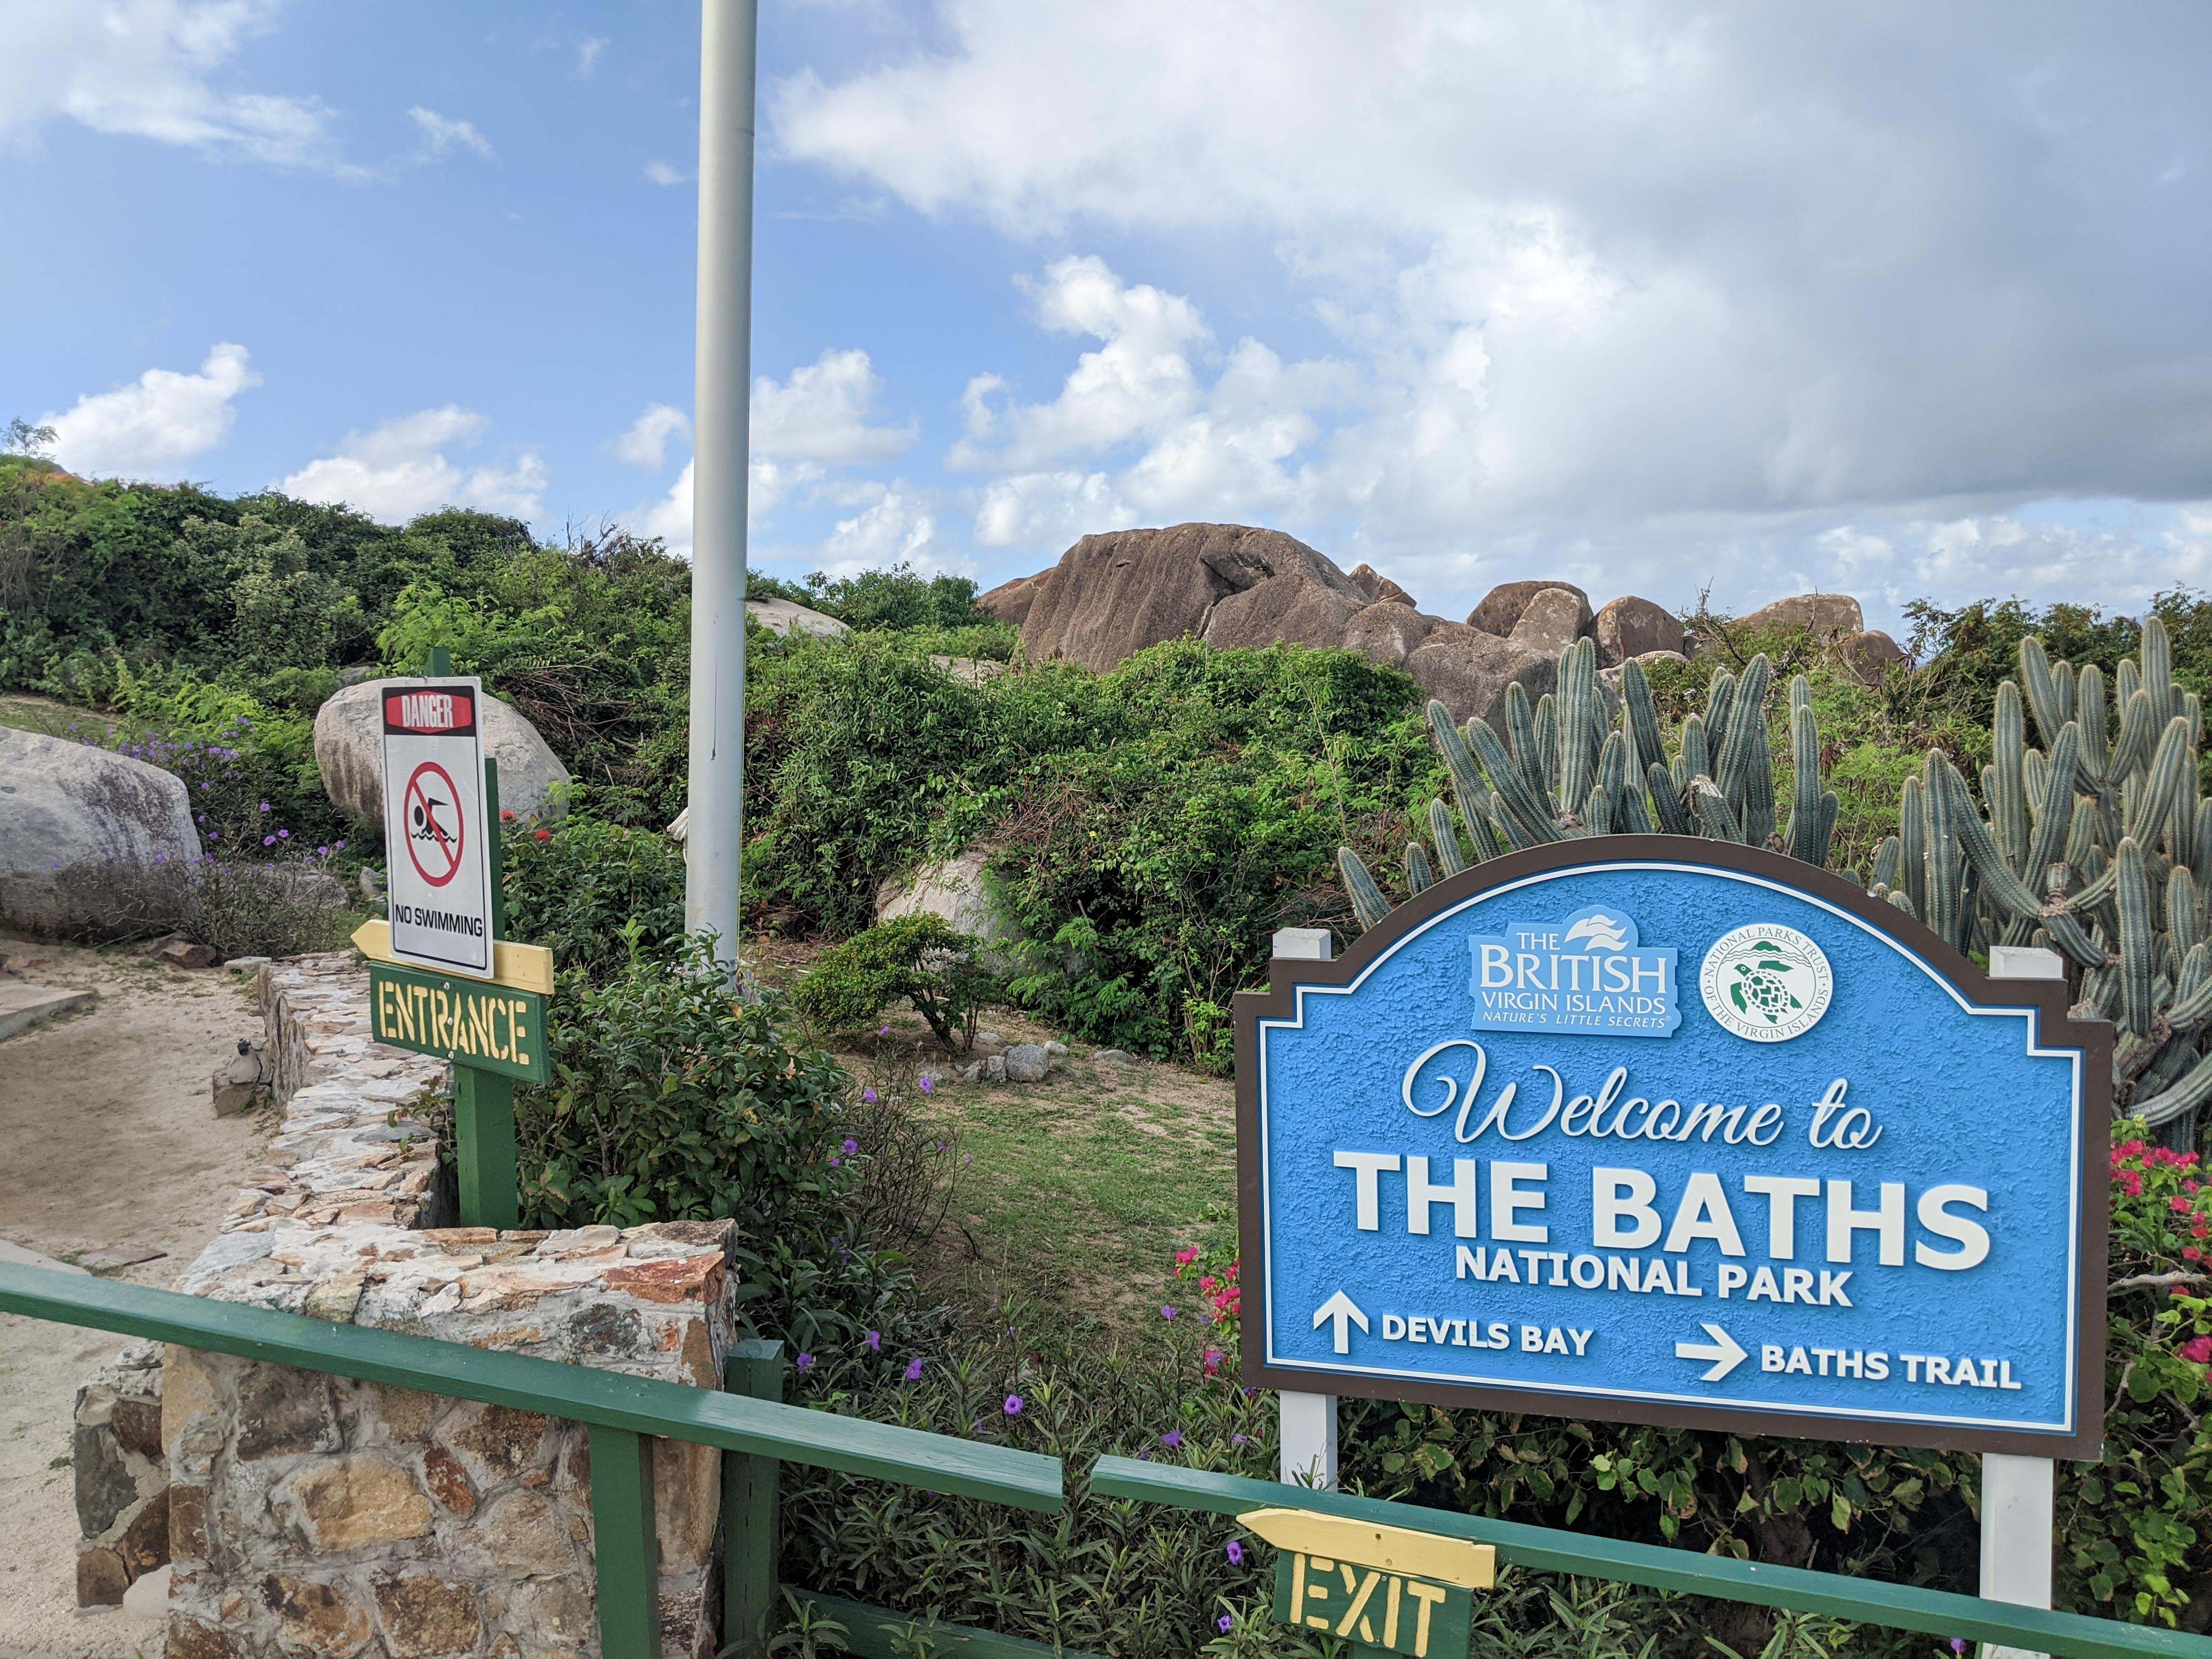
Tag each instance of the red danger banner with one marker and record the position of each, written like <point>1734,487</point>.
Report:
<point>449,711</point>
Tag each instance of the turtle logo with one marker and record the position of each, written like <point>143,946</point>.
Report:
<point>1767,983</point>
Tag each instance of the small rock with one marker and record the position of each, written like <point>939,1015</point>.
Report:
<point>247,964</point>
<point>969,1073</point>
<point>1027,1063</point>
<point>148,1597</point>
<point>1116,1057</point>
<point>991,1039</point>
<point>994,1068</point>
<point>370,886</point>
<point>1055,1048</point>
<point>181,953</point>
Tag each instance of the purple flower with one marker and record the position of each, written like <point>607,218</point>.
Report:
<point>928,1085</point>
<point>805,1363</point>
<point>885,1029</point>
<point>873,1342</point>
<point>1958,1644</point>
<point>264,805</point>
<point>914,1370</point>
<point>835,1161</point>
<point>215,835</point>
<point>1223,1624</point>
<point>869,1096</point>
<point>851,1145</point>
<point>1239,1440</point>
<point>337,847</point>
<point>269,841</point>
<point>1235,1554</point>
<point>1013,1405</point>
<point>1167,1313</point>
<point>1171,1439</point>
<point>322,852</point>
<point>283,834</point>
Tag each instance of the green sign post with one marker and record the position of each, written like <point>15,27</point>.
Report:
<point>491,1029</point>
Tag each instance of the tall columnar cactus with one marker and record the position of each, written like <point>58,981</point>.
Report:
<point>1567,768</point>
<point>2098,844</point>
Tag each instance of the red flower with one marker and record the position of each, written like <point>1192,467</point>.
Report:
<point>2198,1351</point>
<point>506,815</point>
<point>544,834</point>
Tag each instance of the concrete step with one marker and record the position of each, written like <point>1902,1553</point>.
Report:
<point>23,1004</point>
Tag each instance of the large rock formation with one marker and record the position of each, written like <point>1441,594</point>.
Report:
<point>1467,670</point>
<point>1503,607</point>
<point>1229,585</point>
<point>1630,627</point>
<point>1390,632</point>
<point>783,616</point>
<point>79,825</point>
<point>1009,602</point>
<point>1552,620</point>
<point>1379,587</point>
<point>349,755</point>
<point>1830,616</point>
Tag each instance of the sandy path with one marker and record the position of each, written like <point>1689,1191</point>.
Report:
<point>110,1142</point>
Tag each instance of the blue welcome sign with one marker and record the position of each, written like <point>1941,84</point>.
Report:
<point>1656,1129</point>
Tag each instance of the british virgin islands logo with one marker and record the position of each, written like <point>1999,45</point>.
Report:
<point>1587,974</point>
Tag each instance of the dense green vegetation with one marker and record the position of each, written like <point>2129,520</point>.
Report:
<point>1146,830</point>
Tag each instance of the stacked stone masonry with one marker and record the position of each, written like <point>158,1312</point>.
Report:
<point>304,1514</point>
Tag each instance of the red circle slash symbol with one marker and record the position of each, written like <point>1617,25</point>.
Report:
<point>433,810</point>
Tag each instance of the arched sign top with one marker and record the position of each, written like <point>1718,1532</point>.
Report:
<point>1669,1130</point>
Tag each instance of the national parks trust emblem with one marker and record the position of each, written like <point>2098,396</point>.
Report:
<point>1767,983</point>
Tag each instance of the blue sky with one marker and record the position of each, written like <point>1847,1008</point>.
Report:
<point>1653,298</point>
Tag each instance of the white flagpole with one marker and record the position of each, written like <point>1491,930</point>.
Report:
<point>720,411</point>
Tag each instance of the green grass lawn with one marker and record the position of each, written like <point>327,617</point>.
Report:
<point>1073,1192</point>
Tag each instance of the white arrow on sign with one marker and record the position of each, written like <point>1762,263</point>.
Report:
<point>1723,1351</point>
<point>1345,1311</point>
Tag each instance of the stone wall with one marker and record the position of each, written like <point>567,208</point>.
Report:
<point>308,1514</point>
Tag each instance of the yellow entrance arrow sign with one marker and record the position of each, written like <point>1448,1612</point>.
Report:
<point>517,967</point>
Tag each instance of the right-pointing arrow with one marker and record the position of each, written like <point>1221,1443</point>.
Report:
<point>1723,1351</point>
<point>1343,1310</point>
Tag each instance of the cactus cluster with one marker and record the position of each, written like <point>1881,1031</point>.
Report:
<point>1566,768</point>
<point>2097,845</point>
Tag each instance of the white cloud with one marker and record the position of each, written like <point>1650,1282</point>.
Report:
<point>400,469</point>
<point>588,54</point>
<point>820,414</point>
<point>150,429</point>
<point>1649,293</point>
<point>644,446</point>
<point>660,173</point>
<point>147,68</point>
<point>442,134</point>
<point>896,527</point>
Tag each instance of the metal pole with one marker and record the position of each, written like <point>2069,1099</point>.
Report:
<point>2017,1491</point>
<point>1307,1421</point>
<point>720,408</point>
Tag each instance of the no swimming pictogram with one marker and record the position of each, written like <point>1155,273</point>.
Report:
<point>436,828</point>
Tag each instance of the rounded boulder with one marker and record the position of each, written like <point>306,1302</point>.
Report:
<point>350,756</point>
<point>78,825</point>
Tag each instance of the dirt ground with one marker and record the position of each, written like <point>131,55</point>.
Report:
<point>110,1143</point>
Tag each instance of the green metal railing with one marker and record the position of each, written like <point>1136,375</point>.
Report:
<point>1547,1549</point>
<point>625,1414</point>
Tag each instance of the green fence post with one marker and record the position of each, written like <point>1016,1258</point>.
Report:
<point>622,1539</point>
<point>483,1102</point>
<point>483,1147</point>
<point>749,1508</point>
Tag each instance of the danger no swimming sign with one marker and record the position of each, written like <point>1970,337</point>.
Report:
<point>437,846</point>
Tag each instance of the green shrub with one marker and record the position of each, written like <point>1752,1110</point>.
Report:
<point>576,884</point>
<point>923,961</point>
<point>670,1099</point>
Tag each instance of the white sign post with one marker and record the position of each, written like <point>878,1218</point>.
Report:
<point>2016,1491</point>
<point>1306,1422</point>
<point>437,845</point>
